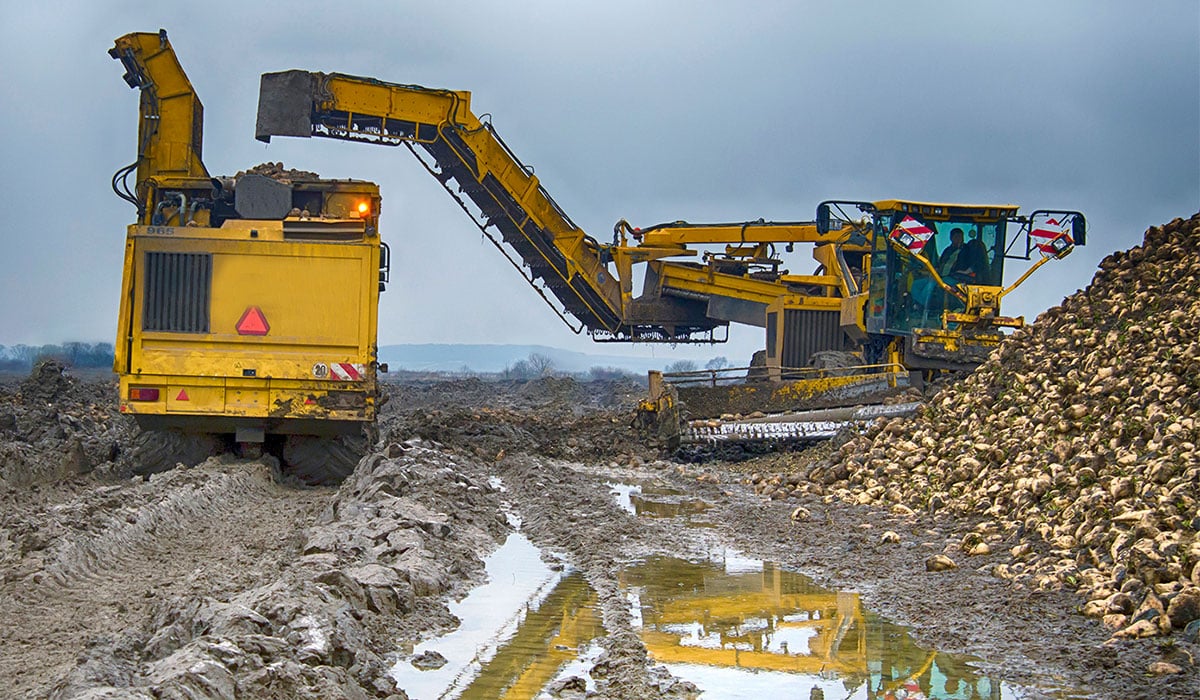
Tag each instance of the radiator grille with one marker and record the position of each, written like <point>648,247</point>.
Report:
<point>809,331</point>
<point>178,290</point>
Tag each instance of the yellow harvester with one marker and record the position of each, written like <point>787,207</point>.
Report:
<point>248,304</point>
<point>900,286</point>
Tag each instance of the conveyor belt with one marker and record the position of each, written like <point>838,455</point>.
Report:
<point>469,158</point>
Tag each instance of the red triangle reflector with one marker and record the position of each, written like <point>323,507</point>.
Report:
<point>182,395</point>
<point>253,322</point>
<point>309,401</point>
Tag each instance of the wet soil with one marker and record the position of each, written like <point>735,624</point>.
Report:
<point>219,581</point>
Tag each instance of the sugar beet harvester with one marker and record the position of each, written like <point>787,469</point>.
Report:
<point>900,285</point>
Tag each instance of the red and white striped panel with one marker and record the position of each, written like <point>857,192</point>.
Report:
<point>1045,235</point>
<point>912,234</point>
<point>346,371</point>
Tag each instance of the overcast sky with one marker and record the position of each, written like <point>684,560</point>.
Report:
<point>648,111</point>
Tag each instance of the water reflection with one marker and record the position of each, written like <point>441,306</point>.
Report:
<point>737,628</point>
<point>519,631</point>
<point>655,501</point>
<point>752,628</point>
<point>550,636</point>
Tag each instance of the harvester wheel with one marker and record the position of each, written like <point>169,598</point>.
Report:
<point>319,461</point>
<point>836,362</point>
<point>250,450</point>
<point>156,451</point>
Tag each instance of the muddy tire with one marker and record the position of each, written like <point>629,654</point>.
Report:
<point>322,461</point>
<point>156,451</point>
<point>758,368</point>
<point>250,450</point>
<point>835,362</point>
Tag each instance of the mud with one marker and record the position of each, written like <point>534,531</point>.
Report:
<point>218,581</point>
<point>55,425</point>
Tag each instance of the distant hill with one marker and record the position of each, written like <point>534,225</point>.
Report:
<point>495,358</point>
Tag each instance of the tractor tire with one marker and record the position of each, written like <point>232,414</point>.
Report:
<point>318,461</point>
<point>835,362</point>
<point>157,451</point>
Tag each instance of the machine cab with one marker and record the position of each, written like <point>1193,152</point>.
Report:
<point>963,244</point>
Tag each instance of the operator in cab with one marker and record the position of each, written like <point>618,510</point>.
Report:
<point>958,263</point>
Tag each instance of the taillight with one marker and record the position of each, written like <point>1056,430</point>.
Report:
<point>142,393</point>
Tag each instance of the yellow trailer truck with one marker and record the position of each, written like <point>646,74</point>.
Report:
<point>249,304</point>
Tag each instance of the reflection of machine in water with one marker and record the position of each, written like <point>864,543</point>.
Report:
<point>773,620</point>
<point>548,637</point>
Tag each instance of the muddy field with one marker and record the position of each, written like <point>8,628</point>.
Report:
<point>657,579</point>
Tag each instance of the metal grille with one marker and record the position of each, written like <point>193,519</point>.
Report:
<point>808,331</point>
<point>178,291</point>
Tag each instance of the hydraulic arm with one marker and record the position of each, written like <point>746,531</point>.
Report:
<point>170,124</point>
<point>455,145</point>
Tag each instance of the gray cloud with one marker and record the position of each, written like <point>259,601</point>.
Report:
<point>647,111</point>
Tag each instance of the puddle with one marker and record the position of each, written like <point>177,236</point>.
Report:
<point>735,626</point>
<point>524,628</point>
<point>742,628</point>
<point>655,501</point>
<point>623,493</point>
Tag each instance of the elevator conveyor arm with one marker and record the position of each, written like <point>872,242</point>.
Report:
<point>170,127</point>
<point>460,147</point>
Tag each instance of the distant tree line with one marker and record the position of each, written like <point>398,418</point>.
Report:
<point>717,363</point>
<point>20,358</point>
<point>537,365</point>
<point>532,367</point>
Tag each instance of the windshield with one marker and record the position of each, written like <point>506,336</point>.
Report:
<point>961,250</point>
<point>970,253</point>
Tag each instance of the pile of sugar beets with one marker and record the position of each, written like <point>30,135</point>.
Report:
<point>1072,451</point>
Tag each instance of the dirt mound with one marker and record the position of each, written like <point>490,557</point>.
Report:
<point>55,425</point>
<point>46,382</point>
<point>1072,450</point>
<point>243,600</point>
<point>549,417</point>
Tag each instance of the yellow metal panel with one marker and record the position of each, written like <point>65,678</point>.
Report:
<point>304,299</point>
<point>703,281</point>
<point>185,398</point>
<point>319,299</point>
<point>852,316</point>
<point>200,357</point>
<point>330,402</point>
<point>941,211</point>
<point>425,106</point>
<point>246,401</point>
<point>169,133</point>
<point>125,318</point>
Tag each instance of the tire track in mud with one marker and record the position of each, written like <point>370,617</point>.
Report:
<point>116,552</point>
<point>211,531</point>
